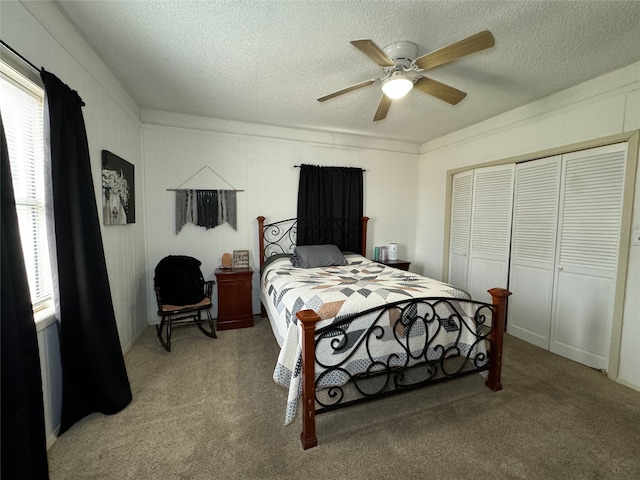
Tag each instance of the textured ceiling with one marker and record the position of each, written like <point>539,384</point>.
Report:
<point>267,62</point>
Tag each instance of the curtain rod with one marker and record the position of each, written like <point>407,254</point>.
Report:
<point>17,54</point>
<point>298,166</point>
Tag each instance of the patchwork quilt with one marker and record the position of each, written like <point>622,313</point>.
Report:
<point>333,293</point>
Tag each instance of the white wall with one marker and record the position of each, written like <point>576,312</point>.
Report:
<point>39,32</point>
<point>260,160</point>
<point>604,106</point>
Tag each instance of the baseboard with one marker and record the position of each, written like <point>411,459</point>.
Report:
<point>52,437</point>
<point>628,384</point>
<point>128,346</point>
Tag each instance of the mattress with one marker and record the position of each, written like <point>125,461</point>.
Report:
<point>339,292</point>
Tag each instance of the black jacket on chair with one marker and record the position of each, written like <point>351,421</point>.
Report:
<point>180,280</point>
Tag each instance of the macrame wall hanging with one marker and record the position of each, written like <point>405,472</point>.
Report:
<point>206,208</point>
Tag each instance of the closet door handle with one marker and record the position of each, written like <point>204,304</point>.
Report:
<point>560,269</point>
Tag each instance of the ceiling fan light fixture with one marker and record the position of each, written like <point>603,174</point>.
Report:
<point>397,85</point>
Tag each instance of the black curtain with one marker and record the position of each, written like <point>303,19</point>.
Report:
<point>330,206</point>
<point>94,378</point>
<point>24,446</point>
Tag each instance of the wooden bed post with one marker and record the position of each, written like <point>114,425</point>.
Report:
<point>308,319</point>
<point>500,296</point>
<point>263,311</point>
<point>363,248</point>
<point>261,239</point>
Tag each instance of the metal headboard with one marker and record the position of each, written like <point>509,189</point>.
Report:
<point>281,236</point>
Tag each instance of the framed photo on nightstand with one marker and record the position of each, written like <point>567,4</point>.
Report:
<point>241,259</point>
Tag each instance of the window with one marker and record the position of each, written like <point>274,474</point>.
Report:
<point>21,104</point>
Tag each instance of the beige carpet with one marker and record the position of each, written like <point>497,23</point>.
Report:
<point>210,410</point>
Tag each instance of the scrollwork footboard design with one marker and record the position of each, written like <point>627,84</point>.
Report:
<point>398,347</point>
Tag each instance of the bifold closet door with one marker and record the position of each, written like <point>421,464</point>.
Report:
<point>461,199</point>
<point>490,229</point>
<point>533,249</point>
<point>591,200</point>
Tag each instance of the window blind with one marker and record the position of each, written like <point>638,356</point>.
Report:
<point>22,117</point>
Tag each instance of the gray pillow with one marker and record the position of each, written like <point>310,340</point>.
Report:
<point>309,256</point>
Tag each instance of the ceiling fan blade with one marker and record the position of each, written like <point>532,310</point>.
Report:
<point>447,54</point>
<point>346,90</point>
<point>374,52</point>
<point>383,108</point>
<point>440,90</point>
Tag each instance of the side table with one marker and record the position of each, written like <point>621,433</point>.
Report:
<point>400,264</point>
<point>234,298</point>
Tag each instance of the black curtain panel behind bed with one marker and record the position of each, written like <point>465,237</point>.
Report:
<point>335,193</point>
<point>94,378</point>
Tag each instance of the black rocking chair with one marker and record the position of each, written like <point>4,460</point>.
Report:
<point>182,296</point>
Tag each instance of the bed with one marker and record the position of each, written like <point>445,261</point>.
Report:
<point>351,329</point>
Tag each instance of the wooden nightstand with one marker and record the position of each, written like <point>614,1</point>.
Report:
<point>400,264</point>
<point>234,298</point>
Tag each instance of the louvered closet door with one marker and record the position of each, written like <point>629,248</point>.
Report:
<point>533,249</point>
<point>587,254</point>
<point>490,229</point>
<point>461,197</point>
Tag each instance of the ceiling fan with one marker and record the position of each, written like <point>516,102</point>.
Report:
<point>403,70</point>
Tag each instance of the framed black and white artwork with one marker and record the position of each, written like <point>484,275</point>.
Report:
<point>118,190</point>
